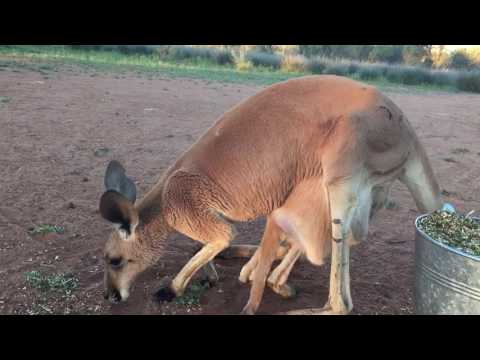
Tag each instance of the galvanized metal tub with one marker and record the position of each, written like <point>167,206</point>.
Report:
<point>447,281</point>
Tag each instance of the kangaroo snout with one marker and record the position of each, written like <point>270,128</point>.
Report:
<point>113,295</point>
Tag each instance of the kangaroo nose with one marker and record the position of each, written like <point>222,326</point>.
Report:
<point>115,296</point>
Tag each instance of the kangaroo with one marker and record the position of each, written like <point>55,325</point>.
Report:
<point>372,151</point>
<point>305,223</point>
<point>297,152</point>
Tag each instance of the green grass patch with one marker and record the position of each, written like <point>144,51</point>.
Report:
<point>61,283</point>
<point>47,229</point>
<point>193,294</point>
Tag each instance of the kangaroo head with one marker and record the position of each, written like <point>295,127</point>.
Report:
<point>126,253</point>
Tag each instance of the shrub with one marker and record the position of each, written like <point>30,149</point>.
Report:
<point>263,59</point>
<point>417,75</point>
<point>337,68</point>
<point>86,47</point>
<point>469,81</point>
<point>136,49</point>
<point>317,65</point>
<point>124,49</point>
<point>184,52</point>
<point>444,77</point>
<point>409,75</point>
<point>164,51</point>
<point>370,71</point>
<point>353,67</point>
<point>221,57</point>
<point>394,74</point>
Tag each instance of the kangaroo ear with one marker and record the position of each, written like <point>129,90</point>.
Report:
<point>117,209</point>
<point>115,179</point>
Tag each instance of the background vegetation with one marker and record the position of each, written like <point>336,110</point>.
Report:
<point>401,64</point>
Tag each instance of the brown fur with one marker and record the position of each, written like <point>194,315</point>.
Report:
<point>269,156</point>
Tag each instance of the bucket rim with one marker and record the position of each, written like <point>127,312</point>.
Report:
<point>438,243</point>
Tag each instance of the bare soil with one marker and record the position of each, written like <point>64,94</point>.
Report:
<point>58,132</point>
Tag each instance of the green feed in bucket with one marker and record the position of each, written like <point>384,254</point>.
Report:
<point>453,229</point>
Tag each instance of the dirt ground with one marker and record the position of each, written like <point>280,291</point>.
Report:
<point>57,134</point>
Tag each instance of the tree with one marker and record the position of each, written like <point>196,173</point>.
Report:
<point>386,53</point>
<point>439,56</point>
<point>474,55</point>
<point>460,60</point>
<point>361,52</point>
<point>417,55</point>
<point>354,52</point>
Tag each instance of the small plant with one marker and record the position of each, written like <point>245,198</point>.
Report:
<point>294,63</point>
<point>46,229</point>
<point>193,294</point>
<point>458,231</point>
<point>46,67</point>
<point>64,283</point>
<point>242,64</point>
<point>4,99</point>
<point>391,205</point>
<point>460,151</point>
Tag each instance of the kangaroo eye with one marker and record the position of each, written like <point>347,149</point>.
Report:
<point>116,262</point>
